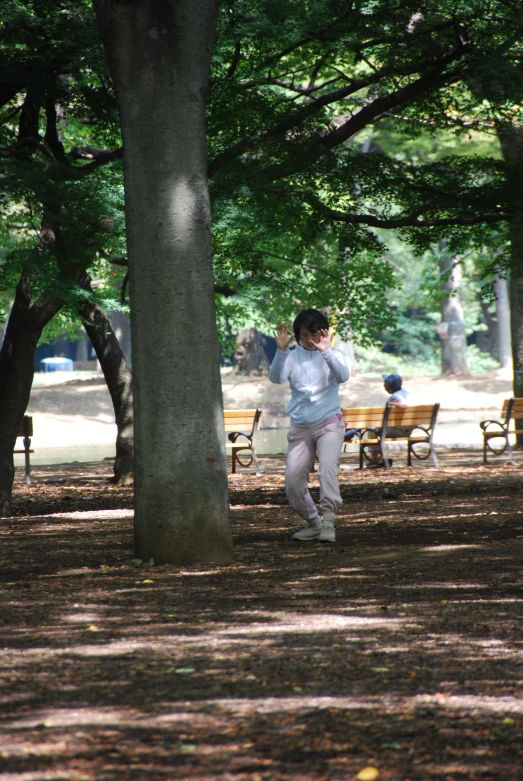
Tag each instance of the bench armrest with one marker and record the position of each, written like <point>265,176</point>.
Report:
<point>484,424</point>
<point>422,427</point>
<point>233,436</point>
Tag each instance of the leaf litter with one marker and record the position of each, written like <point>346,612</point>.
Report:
<point>394,654</point>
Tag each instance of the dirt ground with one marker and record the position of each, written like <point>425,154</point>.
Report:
<point>394,654</point>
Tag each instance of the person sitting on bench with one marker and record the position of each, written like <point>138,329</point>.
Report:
<point>399,397</point>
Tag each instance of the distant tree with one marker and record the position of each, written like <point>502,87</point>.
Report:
<point>453,337</point>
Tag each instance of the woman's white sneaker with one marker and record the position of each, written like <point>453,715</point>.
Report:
<point>327,533</point>
<point>308,533</point>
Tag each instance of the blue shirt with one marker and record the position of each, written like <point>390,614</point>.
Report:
<point>314,378</point>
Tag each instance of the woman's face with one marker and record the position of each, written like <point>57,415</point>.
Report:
<point>308,340</point>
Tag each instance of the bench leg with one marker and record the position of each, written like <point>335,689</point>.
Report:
<point>409,453</point>
<point>433,454</point>
<point>509,448</point>
<point>484,449</point>
<point>385,459</point>
<point>256,464</point>
<point>233,467</point>
<point>27,446</point>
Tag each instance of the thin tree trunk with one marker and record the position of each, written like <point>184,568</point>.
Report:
<point>118,378</point>
<point>17,357</point>
<point>488,341</point>
<point>159,56</point>
<point>453,338</point>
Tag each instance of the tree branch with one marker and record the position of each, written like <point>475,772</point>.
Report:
<point>235,60</point>
<point>97,156</point>
<point>298,263</point>
<point>225,290</point>
<point>410,220</point>
<point>379,106</point>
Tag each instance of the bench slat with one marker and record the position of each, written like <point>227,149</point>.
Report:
<point>242,413</point>
<point>517,409</point>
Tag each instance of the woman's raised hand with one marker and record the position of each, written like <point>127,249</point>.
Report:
<point>283,338</point>
<point>325,340</point>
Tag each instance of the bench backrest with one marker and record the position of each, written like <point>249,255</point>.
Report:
<point>362,417</point>
<point>373,417</point>
<point>246,420</point>
<point>513,409</point>
<point>26,427</point>
<point>417,415</point>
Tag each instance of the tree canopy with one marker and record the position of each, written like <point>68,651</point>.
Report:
<point>311,107</point>
<point>299,89</point>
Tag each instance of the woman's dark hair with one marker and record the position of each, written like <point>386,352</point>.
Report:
<point>310,319</point>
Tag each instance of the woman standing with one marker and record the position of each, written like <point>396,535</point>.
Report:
<point>315,371</point>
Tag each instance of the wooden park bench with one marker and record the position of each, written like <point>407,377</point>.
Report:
<point>26,431</point>
<point>372,423</point>
<point>242,425</point>
<point>512,409</point>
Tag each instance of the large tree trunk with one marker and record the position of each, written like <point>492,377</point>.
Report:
<point>453,338</point>
<point>512,147</point>
<point>516,309</point>
<point>118,378</point>
<point>17,358</point>
<point>159,56</point>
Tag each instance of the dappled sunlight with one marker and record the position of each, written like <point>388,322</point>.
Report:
<point>448,548</point>
<point>312,623</point>
<point>436,585</point>
<point>397,645</point>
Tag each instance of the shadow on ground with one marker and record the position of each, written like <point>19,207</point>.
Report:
<point>397,649</point>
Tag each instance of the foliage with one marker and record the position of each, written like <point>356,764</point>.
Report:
<point>299,90</point>
<point>328,121</point>
<point>62,213</point>
<point>419,364</point>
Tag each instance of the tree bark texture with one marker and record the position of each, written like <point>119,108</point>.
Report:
<point>454,344</point>
<point>516,309</point>
<point>17,357</point>
<point>118,378</point>
<point>159,56</point>
<point>512,148</point>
